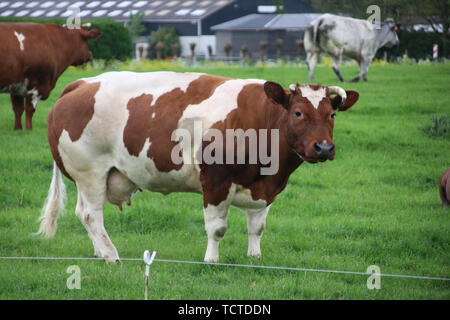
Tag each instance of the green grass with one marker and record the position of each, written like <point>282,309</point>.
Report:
<point>376,203</point>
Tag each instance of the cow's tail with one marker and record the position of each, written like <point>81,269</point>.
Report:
<point>54,204</point>
<point>310,38</point>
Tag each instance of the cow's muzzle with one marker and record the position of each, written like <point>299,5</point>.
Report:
<point>324,151</point>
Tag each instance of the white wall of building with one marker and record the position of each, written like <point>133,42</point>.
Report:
<point>202,43</point>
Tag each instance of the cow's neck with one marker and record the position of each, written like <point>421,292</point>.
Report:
<point>288,159</point>
<point>381,36</point>
<point>66,54</point>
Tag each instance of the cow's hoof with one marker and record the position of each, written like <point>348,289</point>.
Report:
<point>113,261</point>
<point>254,256</point>
<point>211,259</point>
<point>110,260</point>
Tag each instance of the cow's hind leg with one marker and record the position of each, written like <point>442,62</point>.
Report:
<point>311,60</point>
<point>256,223</point>
<point>337,66</point>
<point>91,200</point>
<point>79,211</point>
<point>18,108</point>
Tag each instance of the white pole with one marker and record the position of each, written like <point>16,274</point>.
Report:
<point>199,33</point>
<point>148,261</point>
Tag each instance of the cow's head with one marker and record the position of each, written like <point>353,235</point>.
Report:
<point>309,121</point>
<point>388,33</point>
<point>82,54</point>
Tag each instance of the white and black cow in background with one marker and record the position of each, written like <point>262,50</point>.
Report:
<point>353,38</point>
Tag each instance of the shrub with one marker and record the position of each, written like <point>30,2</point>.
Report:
<point>169,39</point>
<point>418,43</point>
<point>115,42</point>
<point>440,126</point>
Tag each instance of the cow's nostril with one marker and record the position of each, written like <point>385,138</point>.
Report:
<point>317,148</point>
<point>331,149</point>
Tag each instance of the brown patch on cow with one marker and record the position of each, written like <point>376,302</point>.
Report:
<point>168,109</point>
<point>444,188</point>
<point>255,111</point>
<point>72,112</point>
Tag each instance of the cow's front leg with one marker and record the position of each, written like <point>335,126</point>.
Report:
<point>363,69</point>
<point>216,226</point>
<point>30,108</point>
<point>18,108</point>
<point>256,223</point>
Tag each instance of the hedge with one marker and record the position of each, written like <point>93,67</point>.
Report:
<point>114,43</point>
<point>418,43</point>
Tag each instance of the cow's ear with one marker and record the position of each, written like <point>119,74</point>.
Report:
<point>91,34</point>
<point>352,97</point>
<point>276,93</point>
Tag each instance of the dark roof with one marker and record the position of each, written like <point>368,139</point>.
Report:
<point>294,21</point>
<point>154,10</point>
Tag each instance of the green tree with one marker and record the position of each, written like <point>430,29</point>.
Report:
<point>168,37</point>
<point>135,25</point>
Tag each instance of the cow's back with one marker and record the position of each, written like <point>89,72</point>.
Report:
<point>344,32</point>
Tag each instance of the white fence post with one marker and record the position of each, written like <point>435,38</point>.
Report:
<point>148,261</point>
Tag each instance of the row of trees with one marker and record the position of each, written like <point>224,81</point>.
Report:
<point>263,46</point>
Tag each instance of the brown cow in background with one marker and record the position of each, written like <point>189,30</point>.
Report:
<point>33,56</point>
<point>444,188</point>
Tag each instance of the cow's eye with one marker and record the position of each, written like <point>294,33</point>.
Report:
<point>333,115</point>
<point>298,114</point>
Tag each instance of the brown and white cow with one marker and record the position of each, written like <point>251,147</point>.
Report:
<point>33,56</point>
<point>113,135</point>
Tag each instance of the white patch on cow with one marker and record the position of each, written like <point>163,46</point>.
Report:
<point>314,96</point>
<point>35,97</point>
<point>153,115</point>
<point>20,37</point>
<point>219,105</point>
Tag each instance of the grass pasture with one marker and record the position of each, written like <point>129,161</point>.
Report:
<point>377,203</point>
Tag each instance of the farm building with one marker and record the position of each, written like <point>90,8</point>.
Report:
<point>192,19</point>
<point>253,30</point>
